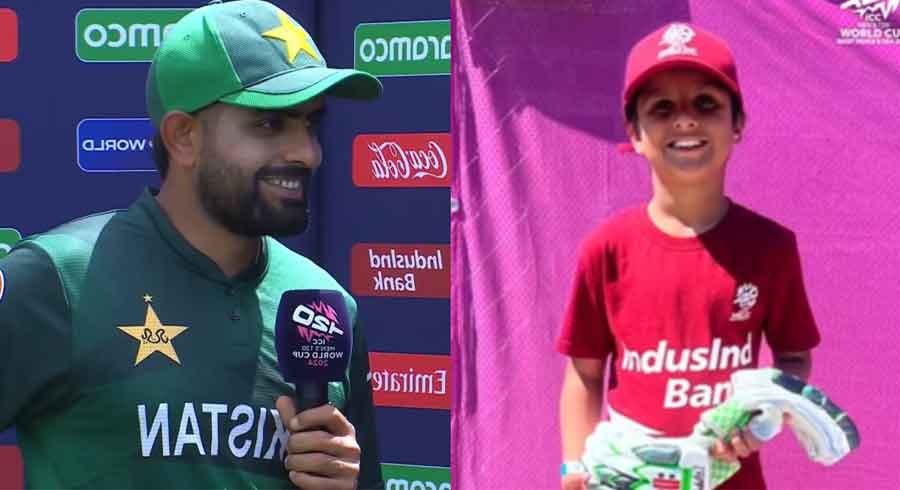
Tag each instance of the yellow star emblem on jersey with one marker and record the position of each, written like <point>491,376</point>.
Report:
<point>295,38</point>
<point>153,335</point>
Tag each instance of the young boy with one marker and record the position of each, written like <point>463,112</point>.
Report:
<point>679,292</point>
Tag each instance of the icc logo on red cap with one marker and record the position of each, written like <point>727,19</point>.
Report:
<point>677,36</point>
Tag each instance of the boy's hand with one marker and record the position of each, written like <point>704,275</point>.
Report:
<point>575,481</point>
<point>741,445</point>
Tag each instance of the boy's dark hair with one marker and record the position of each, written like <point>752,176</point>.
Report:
<point>737,109</point>
<point>160,155</point>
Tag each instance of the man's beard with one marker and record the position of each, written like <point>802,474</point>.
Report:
<point>233,199</point>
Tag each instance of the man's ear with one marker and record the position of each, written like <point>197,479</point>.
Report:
<point>181,134</point>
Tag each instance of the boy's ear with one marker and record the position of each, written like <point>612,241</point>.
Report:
<point>738,129</point>
<point>634,136</point>
<point>739,124</point>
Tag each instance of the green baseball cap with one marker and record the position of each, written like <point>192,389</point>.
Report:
<point>248,53</point>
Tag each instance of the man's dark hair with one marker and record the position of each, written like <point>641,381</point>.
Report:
<point>160,155</point>
<point>737,109</point>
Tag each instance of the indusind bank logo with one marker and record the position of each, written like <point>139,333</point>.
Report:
<point>122,35</point>
<point>409,271</point>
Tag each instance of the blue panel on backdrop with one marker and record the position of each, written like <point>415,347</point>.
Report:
<point>414,436</point>
<point>115,145</point>
<point>8,437</point>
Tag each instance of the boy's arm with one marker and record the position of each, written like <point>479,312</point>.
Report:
<point>580,408</point>
<point>797,363</point>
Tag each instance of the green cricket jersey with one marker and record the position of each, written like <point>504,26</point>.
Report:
<point>129,360</point>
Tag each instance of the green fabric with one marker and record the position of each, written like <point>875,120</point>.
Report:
<point>223,51</point>
<point>90,413</point>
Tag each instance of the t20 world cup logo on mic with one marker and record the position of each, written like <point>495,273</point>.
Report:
<point>312,335</point>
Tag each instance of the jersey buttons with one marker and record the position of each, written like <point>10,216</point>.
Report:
<point>235,314</point>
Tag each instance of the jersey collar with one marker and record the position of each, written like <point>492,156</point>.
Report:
<point>195,259</point>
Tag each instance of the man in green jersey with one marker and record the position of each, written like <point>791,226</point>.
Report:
<point>136,346</point>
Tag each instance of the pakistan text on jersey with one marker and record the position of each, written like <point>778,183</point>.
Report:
<point>243,431</point>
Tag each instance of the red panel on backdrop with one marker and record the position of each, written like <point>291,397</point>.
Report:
<point>11,467</point>
<point>10,145</point>
<point>9,35</point>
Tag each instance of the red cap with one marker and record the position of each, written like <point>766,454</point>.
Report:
<point>679,45</point>
<point>674,45</point>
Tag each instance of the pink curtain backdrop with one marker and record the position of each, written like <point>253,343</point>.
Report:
<point>536,111</point>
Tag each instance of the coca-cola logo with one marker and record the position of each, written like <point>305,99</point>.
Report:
<point>402,160</point>
<point>393,161</point>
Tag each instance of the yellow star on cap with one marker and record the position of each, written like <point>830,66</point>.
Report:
<point>154,336</point>
<point>295,38</point>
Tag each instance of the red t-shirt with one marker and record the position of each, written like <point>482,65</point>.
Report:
<point>679,315</point>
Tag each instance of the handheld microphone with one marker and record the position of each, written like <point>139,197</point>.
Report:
<point>313,340</point>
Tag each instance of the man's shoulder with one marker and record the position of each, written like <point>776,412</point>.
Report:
<point>73,239</point>
<point>280,256</point>
<point>66,249</point>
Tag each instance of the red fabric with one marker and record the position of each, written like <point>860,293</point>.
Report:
<point>680,315</point>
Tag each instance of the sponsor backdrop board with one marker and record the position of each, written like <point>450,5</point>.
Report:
<point>75,139</point>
